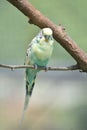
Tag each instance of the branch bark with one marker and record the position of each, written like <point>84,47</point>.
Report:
<point>38,19</point>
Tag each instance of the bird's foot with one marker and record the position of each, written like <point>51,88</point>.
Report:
<point>46,68</point>
<point>35,67</point>
<point>41,67</point>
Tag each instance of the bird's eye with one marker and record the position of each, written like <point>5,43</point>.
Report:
<point>40,37</point>
<point>47,37</point>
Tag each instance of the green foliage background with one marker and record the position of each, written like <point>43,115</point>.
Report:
<point>59,98</point>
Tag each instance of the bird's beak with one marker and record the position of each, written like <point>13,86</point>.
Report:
<point>46,38</point>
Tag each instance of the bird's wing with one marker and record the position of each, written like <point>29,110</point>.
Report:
<point>30,79</point>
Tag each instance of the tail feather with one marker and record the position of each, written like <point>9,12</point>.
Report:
<point>27,98</point>
<point>29,90</point>
<point>28,93</point>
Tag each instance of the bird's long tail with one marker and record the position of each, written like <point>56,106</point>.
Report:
<point>29,89</point>
<point>24,110</point>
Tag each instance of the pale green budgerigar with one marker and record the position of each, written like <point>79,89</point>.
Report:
<point>38,54</point>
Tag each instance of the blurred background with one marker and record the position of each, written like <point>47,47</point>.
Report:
<point>59,99</point>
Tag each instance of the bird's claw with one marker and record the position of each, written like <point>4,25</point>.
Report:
<point>35,67</point>
<point>46,68</point>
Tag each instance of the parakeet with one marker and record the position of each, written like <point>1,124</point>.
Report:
<point>38,54</point>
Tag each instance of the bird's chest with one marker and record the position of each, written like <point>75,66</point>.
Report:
<point>43,52</point>
<point>41,55</point>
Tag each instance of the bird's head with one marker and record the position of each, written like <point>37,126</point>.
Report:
<point>47,34</point>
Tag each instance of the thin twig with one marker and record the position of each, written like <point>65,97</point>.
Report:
<point>13,67</point>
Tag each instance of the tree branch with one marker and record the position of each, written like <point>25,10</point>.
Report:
<point>13,67</point>
<point>37,18</point>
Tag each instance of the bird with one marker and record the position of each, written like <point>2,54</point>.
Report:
<point>38,54</point>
